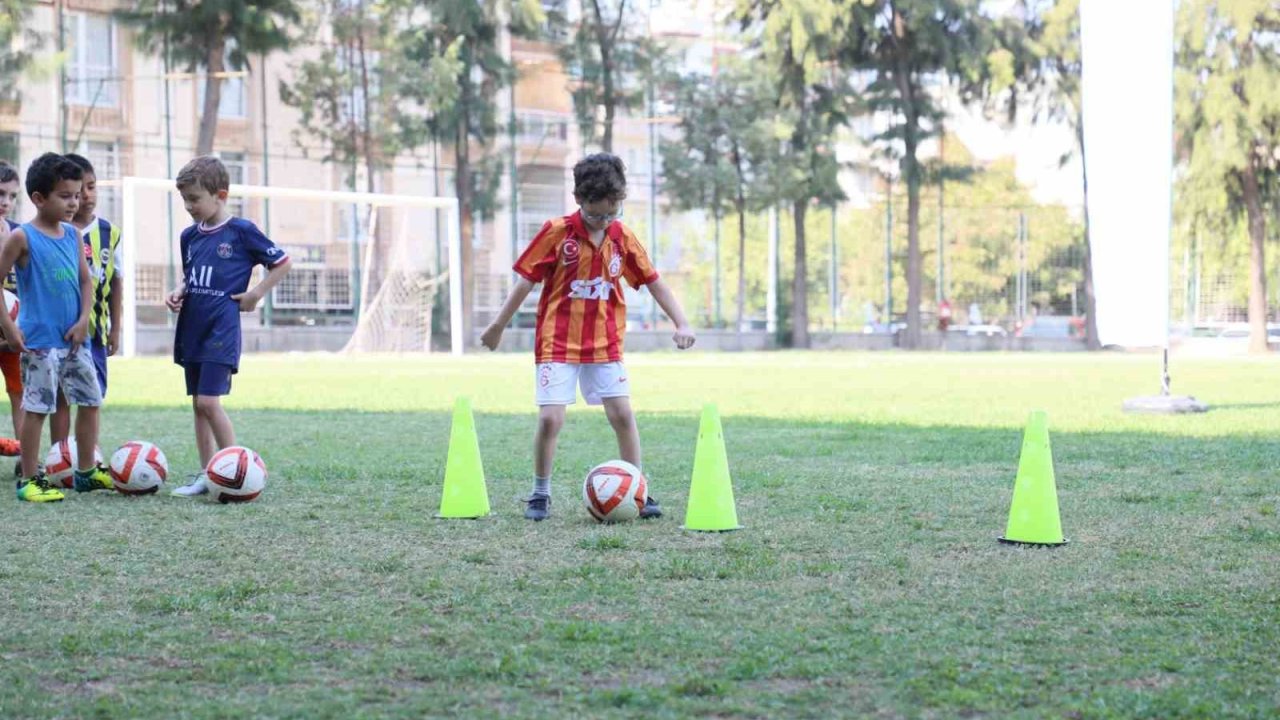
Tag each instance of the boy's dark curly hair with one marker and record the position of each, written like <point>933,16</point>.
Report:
<point>601,176</point>
<point>82,162</point>
<point>47,171</point>
<point>7,173</point>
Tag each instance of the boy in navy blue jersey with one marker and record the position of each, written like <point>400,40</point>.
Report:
<point>219,254</point>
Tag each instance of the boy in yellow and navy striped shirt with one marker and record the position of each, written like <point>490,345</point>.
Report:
<point>102,251</point>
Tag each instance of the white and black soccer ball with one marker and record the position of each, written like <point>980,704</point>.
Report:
<point>138,468</point>
<point>614,491</point>
<point>236,475</point>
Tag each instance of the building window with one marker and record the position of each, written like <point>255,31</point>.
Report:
<point>542,128</point>
<point>237,172</point>
<point>92,76</point>
<point>542,191</point>
<point>233,103</point>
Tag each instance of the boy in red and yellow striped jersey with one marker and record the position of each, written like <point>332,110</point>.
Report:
<point>582,260</point>
<point>9,360</point>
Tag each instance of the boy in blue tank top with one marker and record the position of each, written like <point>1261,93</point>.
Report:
<point>102,252</point>
<point>219,254</point>
<point>54,294</point>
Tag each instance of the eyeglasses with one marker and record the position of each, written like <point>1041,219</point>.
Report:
<point>601,218</point>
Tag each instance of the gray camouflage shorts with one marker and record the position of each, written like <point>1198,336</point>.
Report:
<point>44,371</point>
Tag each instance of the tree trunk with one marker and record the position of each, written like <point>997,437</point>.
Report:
<point>1257,265</point>
<point>464,189</point>
<point>911,338</point>
<point>212,98</point>
<point>740,203</point>
<point>606,74</point>
<point>800,284</point>
<point>1092,341</point>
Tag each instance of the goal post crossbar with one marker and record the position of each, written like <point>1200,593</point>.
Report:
<point>130,227</point>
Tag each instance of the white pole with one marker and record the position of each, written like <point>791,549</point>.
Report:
<point>771,297</point>
<point>455,281</point>
<point>129,336</point>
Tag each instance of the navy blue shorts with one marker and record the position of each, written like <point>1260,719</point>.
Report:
<point>208,378</point>
<point>99,353</point>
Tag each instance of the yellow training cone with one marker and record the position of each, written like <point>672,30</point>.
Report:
<point>711,507</point>
<point>1033,514</point>
<point>464,495</point>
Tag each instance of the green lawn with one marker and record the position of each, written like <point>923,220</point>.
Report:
<point>867,580</point>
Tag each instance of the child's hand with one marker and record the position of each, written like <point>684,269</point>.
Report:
<point>491,337</point>
<point>174,300</point>
<point>113,340</point>
<point>684,337</point>
<point>17,343</point>
<point>248,300</point>
<point>77,334</point>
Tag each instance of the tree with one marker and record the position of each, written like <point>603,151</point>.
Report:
<point>609,63</point>
<point>215,35</point>
<point>1228,124</point>
<point>915,51</point>
<point>470,122</point>
<point>350,95</point>
<point>14,15</point>
<point>1053,79</point>
<point>797,41</point>
<point>713,167</point>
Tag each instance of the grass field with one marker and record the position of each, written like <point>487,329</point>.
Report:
<point>867,581</point>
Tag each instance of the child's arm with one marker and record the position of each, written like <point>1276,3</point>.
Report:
<point>78,332</point>
<point>174,300</point>
<point>13,249</point>
<point>250,298</point>
<point>493,334</point>
<point>116,311</point>
<point>684,336</point>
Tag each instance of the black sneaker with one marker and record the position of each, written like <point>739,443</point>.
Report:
<point>651,509</point>
<point>538,508</point>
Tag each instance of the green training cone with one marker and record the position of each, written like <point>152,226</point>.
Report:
<point>711,507</point>
<point>464,495</point>
<point>1033,514</point>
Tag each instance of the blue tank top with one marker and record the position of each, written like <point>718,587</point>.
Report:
<point>49,287</point>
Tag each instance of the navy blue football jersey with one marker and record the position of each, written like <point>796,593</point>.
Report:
<point>216,264</point>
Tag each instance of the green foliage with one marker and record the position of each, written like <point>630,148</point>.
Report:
<point>209,34</point>
<point>1227,109</point>
<point>371,119</point>
<point>609,59</point>
<point>14,18</point>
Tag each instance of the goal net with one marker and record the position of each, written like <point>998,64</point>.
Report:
<point>370,271</point>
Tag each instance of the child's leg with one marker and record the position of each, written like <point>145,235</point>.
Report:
<point>60,422</point>
<point>217,431</point>
<point>618,410</point>
<point>15,409</point>
<point>32,427</point>
<point>86,437</point>
<point>550,420</point>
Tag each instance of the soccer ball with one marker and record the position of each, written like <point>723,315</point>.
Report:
<point>11,302</point>
<point>614,491</point>
<point>236,474</point>
<point>60,463</point>
<point>138,468</point>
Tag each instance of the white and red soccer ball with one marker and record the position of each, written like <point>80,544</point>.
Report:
<point>138,468</point>
<point>236,474</point>
<point>11,304</point>
<point>60,463</point>
<point>614,491</point>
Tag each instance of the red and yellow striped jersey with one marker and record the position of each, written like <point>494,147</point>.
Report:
<point>582,315</point>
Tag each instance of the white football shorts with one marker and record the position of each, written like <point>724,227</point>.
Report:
<point>558,383</point>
